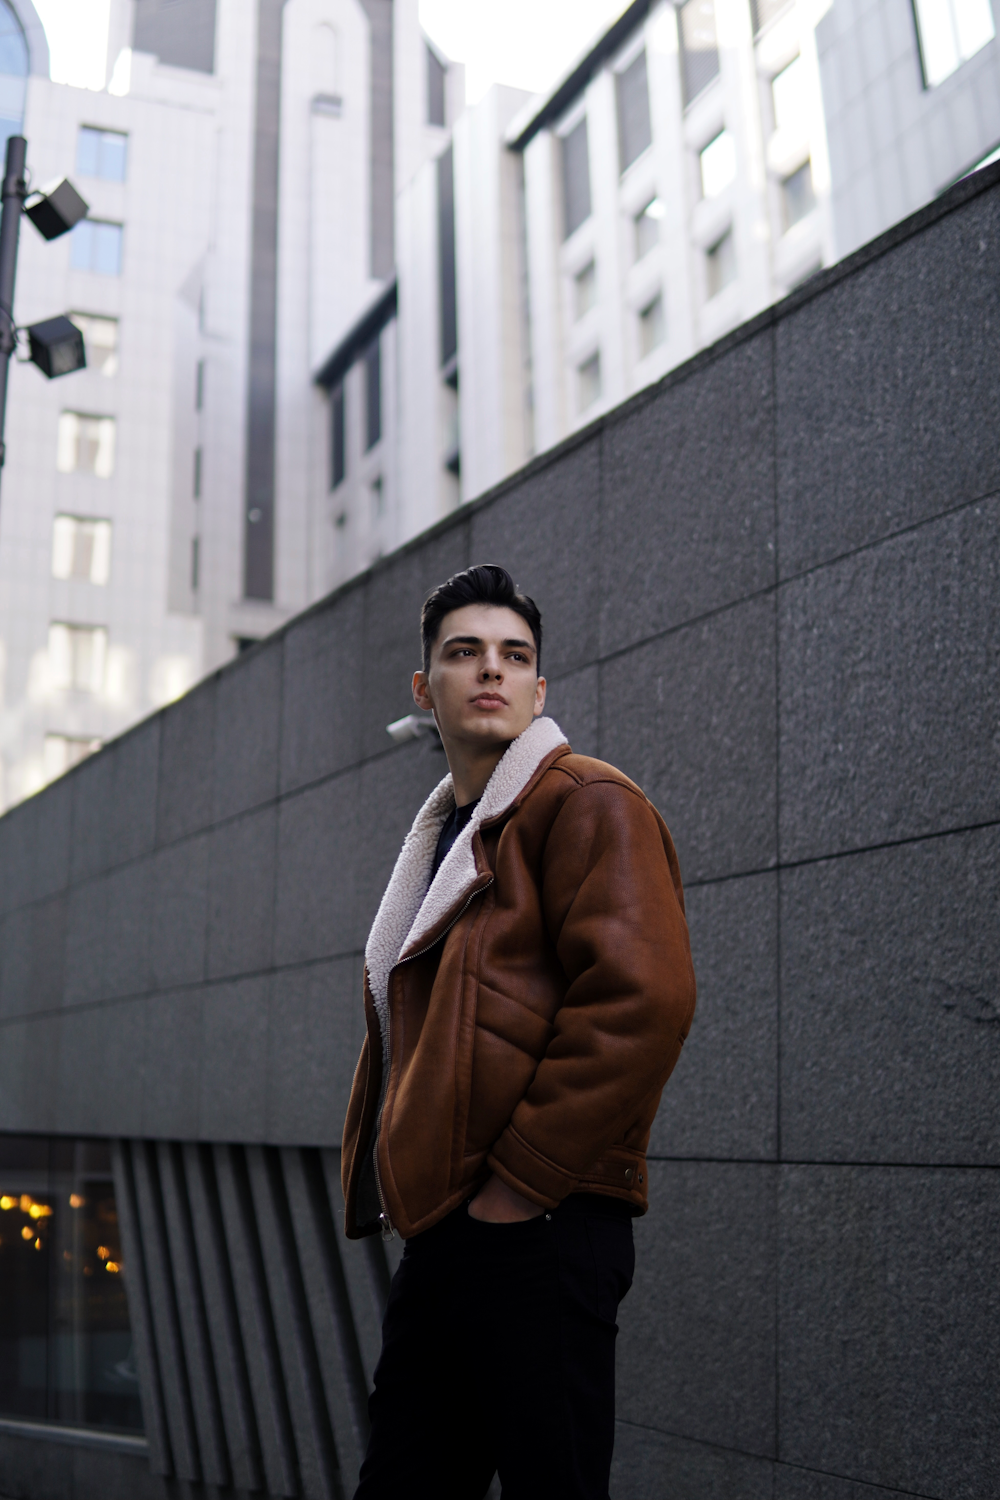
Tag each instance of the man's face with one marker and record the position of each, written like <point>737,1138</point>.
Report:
<point>483,683</point>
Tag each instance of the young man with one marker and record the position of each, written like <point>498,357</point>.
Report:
<point>528,985</point>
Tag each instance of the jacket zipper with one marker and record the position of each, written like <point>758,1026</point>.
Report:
<point>388,1230</point>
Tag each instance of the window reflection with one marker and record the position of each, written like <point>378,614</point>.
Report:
<point>65,1345</point>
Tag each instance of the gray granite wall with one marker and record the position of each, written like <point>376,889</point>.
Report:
<point>770,588</point>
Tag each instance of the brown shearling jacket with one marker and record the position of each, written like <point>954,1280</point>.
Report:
<point>524,1013</point>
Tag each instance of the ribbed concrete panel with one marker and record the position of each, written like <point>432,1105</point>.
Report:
<point>256,1323</point>
<point>222,1316</point>
<point>163,1304</point>
<point>336,1338</point>
<point>311,1424</point>
<point>193,1322</point>
<point>140,1314</point>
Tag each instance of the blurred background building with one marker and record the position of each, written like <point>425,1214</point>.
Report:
<point>325,303</point>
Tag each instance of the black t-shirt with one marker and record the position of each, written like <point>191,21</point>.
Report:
<point>456,820</point>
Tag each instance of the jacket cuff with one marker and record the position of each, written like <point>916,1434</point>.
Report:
<point>522,1168</point>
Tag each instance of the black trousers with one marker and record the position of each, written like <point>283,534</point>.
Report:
<point>498,1355</point>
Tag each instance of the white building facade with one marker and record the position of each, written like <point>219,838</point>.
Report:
<point>167,506</point>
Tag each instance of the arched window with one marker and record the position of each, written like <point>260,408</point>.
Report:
<point>13,73</point>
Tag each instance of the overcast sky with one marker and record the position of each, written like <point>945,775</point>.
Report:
<point>490,36</point>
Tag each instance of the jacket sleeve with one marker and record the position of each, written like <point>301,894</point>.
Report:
<point>613,906</point>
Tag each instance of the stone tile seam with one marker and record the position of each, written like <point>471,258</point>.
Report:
<point>211,982</point>
<point>865,1163</point>
<point>815,859</point>
<point>768,1458</point>
<point>778,967</point>
<point>598,661</point>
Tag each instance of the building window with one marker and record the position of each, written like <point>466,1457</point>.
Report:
<point>632,94</point>
<point>950,32</point>
<point>717,165</point>
<point>797,196</point>
<point>446,256</point>
<point>788,95</point>
<point>68,1354</point>
<point>763,11</point>
<point>699,47</point>
<point>584,290</point>
<point>646,227</point>
<point>338,436</point>
<point>196,477</point>
<point>81,548</point>
<point>720,264</point>
<point>195,563</point>
<point>86,445</point>
<point>77,656</point>
<point>652,326</point>
<point>96,245</point>
<point>101,153</point>
<point>373,393</point>
<point>436,75</point>
<point>100,339</point>
<point>576,178</point>
<point>588,382</point>
<point>199,385</point>
<point>378,498</point>
<point>62,752</point>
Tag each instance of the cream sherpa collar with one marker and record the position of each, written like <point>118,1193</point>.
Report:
<point>409,909</point>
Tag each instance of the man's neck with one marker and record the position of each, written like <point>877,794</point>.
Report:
<point>471,767</point>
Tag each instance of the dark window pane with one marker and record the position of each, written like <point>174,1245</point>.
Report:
<point>720,264</point>
<point>699,47</point>
<point>337,435</point>
<point>797,196</point>
<point>373,393</point>
<point>436,75</point>
<point>633,112</point>
<point>446,255</point>
<point>66,1351</point>
<point>576,178</point>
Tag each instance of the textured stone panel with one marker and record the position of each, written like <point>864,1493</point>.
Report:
<point>544,530</point>
<point>890,1012</point>
<point>114,802</point>
<point>17,839</point>
<point>573,702</point>
<point>86,942</point>
<point>317,1026</point>
<point>323,683</point>
<point>889,1323</point>
<point>890,679</point>
<point>171,1073</point>
<point>234,1061</point>
<point>128,897</point>
<point>33,957</point>
<point>29,1073</point>
<point>247,731</point>
<point>690,717</point>
<point>721,1099</point>
<point>320,847</point>
<point>394,595</point>
<point>888,391</point>
<point>696,1350</point>
<point>655,1466</point>
<point>187,764</point>
<point>687,519</point>
<point>178,928</point>
<point>393,790</point>
<point>100,1070</point>
<point>804,1484</point>
<point>241,894</point>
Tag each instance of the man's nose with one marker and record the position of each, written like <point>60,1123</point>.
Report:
<point>491,667</point>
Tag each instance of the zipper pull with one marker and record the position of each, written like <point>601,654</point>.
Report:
<point>388,1233</point>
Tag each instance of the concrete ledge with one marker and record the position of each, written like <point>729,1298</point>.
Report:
<point>77,1437</point>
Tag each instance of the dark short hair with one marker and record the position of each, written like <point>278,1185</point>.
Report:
<point>485,584</point>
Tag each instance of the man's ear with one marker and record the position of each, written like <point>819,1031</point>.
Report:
<point>421,691</point>
<point>539,707</point>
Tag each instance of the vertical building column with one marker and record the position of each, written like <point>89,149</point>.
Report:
<point>383,186</point>
<point>258,519</point>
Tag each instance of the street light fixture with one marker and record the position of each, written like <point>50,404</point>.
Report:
<point>56,345</point>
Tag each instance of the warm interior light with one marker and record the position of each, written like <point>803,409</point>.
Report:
<point>112,1265</point>
<point>104,1252</point>
<point>40,1211</point>
<point>38,1244</point>
<point>26,1201</point>
<point>6,1202</point>
<point>27,1234</point>
<point>75,1201</point>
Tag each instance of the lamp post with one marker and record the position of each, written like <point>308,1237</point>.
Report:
<point>56,345</point>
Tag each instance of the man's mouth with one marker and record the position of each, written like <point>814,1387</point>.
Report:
<point>491,700</point>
